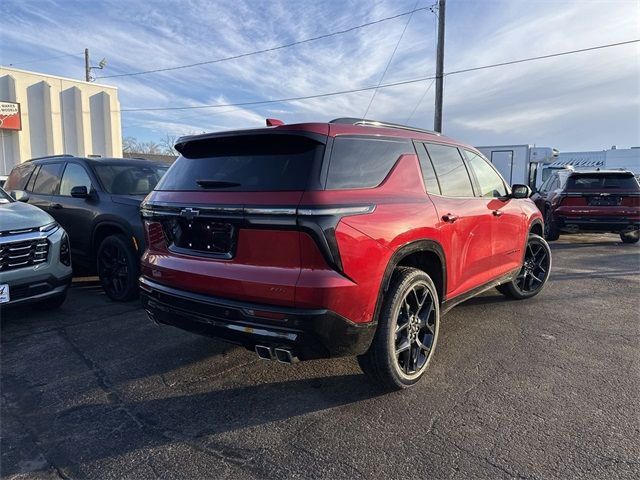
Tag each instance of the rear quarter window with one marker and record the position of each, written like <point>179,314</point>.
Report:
<point>363,162</point>
<point>19,177</point>
<point>270,162</point>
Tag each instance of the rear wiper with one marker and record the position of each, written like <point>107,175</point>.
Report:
<point>216,184</point>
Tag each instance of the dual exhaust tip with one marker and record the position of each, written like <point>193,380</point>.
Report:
<point>282,355</point>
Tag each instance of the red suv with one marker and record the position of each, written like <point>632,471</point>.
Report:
<point>327,239</point>
<point>590,201</point>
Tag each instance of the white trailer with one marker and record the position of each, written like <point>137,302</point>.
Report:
<point>520,163</point>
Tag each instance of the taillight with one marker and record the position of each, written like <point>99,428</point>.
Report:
<point>65,250</point>
<point>154,235</point>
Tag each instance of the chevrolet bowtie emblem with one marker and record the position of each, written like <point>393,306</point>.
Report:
<point>189,212</point>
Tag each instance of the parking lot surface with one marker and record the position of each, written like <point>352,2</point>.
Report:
<point>544,388</point>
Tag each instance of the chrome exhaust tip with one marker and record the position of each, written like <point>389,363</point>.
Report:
<point>265,353</point>
<point>285,356</point>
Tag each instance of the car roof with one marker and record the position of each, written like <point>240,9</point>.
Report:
<point>601,172</point>
<point>339,126</point>
<point>99,160</point>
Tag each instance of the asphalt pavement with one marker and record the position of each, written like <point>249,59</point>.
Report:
<point>542,388</point>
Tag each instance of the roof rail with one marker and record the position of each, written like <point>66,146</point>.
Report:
<point>51,156</point>
<point>375,123</point>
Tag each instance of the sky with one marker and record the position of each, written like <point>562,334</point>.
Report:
<point>585,101</point>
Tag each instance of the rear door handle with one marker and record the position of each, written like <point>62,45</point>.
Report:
<point>450,218</point>
<point>497,213</point>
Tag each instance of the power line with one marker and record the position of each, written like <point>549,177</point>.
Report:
<point>280,100</point>
<point>406,25</point>
<point>387,85</point>
<point>45,59</point>
<point>266,50</point>
<point>541,57</point>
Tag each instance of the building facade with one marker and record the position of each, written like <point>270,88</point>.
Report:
<point>48,115</point>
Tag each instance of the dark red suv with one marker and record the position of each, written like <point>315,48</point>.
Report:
<point>326,239</point>
<point>590,201</point>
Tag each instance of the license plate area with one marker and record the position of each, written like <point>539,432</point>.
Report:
<point>603,201</point>
<point>4,293</point>
<point>200,236</point>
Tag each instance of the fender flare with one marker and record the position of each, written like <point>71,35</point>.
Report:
<point>402,252</point>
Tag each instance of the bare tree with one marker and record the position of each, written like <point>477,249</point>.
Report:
<point>167,143</point>
<point>130,145</point>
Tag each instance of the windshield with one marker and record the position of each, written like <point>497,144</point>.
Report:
<point>245,163</point>
<point>624,181</point>
<point>129,179</point>
<point>4,197</point>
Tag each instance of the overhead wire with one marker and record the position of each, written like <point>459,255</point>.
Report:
<point>387,85</point>
<point>266,50</point>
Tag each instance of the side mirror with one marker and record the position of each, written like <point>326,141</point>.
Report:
<point>20,195</point>
<point>79,192</point>
<point>520,191</point>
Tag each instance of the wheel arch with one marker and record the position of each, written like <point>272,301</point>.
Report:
<point>104,229</point>
<point>426,255</point>
<point>537,227</point>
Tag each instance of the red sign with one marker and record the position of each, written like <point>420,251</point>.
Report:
<point>10,116</point>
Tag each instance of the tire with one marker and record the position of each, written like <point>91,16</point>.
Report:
<point>630,237</point>
<point>53,302</point>
<point>534,273</point>
<point>551,230</point>
<point>386,363</point>
<point>117,266</point>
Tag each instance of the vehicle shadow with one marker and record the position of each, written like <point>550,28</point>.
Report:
<point>88,433</point>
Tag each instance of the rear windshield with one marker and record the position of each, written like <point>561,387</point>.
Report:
<point>622,181</point>
<point>247,163</point>
<point>129,179</point>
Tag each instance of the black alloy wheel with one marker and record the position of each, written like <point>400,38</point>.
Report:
<point>407,331</point>
<point>534,273</point>
<point>415,329</point>
<point>118,268</point>
<point>630,237</point>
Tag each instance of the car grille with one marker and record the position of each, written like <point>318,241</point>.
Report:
<point>23,253</point>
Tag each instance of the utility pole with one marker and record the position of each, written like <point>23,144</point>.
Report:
<point>437,117</point>
<point>87,70</point>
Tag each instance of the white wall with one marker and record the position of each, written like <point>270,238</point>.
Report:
<point>59,115</point>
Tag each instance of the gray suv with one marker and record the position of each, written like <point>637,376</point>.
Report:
<point>35,261</point>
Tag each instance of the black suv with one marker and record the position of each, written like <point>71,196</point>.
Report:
<point>97,201</point>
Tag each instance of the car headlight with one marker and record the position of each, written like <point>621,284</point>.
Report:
<point>49,227</point>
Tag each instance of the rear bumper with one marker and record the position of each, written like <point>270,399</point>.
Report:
<point>597,224</point>
<point>308,334</point>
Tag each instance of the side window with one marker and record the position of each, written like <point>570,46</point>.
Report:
<point>545,186</point>
<point>363,162</point>
<point>19,177</point>
<point>428,173</point>
<point>489,181</point>
<point>451,171</point>
<point>48,179</point>
<point>555,183</point>
<point>74,176</point>
<point>32,179</point>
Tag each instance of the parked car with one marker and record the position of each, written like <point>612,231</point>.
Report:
<point>319,239</point>
<point>97,201</point>
<point>35,261</point>
<point>590,202</point>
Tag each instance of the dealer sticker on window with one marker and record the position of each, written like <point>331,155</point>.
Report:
<point>4,293</point>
